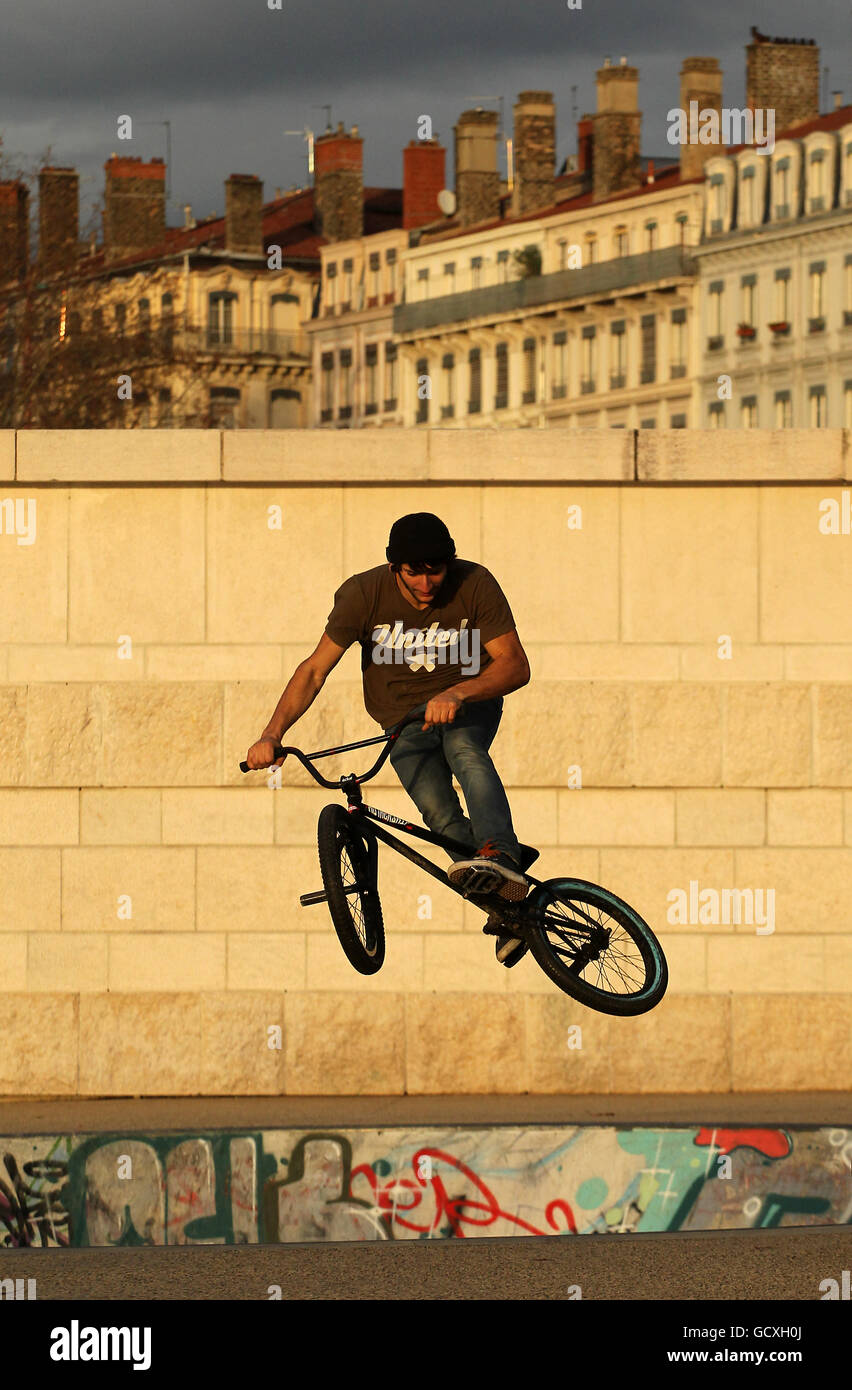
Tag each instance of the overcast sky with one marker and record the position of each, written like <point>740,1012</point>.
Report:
<point>232,75</point>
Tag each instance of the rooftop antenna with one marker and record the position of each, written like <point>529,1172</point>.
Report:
<point>328,117</point>
<point>308,135</point>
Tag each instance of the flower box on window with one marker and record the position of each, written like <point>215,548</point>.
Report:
<point>782,326</point>
<point>746,330</point>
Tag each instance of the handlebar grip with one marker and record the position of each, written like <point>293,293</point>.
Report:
<point>244,767</point>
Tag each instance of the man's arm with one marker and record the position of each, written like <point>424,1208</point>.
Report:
<point>302,689</point>
<point>507,671</point>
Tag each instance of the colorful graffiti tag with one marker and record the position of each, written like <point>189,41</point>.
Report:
<point>275,1186</point>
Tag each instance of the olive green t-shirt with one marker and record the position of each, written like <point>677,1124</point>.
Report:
<point>409,654</point>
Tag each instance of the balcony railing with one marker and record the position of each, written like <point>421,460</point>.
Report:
<point>243,341</point>
<point>163,338</point>
<point>495,301</point>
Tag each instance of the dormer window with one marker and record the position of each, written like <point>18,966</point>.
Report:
<point>748,197</point>
<point>782,188</point>
<point>817,181</point>
<point>717,202</point>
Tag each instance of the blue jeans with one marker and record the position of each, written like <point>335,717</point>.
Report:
<point>425,762</point>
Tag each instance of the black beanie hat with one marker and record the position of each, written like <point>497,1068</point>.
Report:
<point>420,538</point>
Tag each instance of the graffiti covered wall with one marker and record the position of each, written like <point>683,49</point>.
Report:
<point>275,1186</point>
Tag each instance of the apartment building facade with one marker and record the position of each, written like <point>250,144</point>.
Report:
<point>775,277</point>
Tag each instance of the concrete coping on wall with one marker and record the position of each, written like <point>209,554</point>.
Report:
<point>447,456</point>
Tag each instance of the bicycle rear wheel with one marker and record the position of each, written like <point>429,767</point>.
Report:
<point>595,947</point>
<point>348,867</point>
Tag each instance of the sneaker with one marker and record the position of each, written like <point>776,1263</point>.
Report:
<point>489,871</point>
<point>508,949</point>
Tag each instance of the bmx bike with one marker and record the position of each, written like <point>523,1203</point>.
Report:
<point>589,942</point>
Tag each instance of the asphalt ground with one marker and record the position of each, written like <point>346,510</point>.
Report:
<point>768,1265</point>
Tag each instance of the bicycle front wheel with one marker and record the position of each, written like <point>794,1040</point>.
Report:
<point>348,868</point>
<point>595,947</point>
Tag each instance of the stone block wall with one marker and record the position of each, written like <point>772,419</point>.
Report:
<point>685,608</point>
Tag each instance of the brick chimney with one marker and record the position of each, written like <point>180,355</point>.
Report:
<point>585,144</point>
<point>58,219</point>
<point>134,205</point>
<point>617,126</point>
<point>14,231</point>
<point>700,81</point>
<point>244,214</point>
<point>534,151</point>
<point>783,75</point>
<point>339,184</point>
<point>423,177</point>
<point>477,179</point>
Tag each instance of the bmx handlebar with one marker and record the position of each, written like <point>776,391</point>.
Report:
<point>306,758</point>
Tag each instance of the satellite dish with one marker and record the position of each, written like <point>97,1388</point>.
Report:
<point>447,201</point>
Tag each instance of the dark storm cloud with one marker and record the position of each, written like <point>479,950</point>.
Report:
<point>232,77</point>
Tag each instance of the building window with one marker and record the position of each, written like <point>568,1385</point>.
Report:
<point>390,376</point>
<point>120,318</point>
<point>748,412</point>
<point>374,283</point>
<point>748,310</point>
<point>371,373</point>
<point>560,365</point>
<point>423,282</point>
<point>390,262</point>
<point>783,410</point>
<point>224,407</point>
<point>346,295</point>
<point>677,422</point>
<point>501,398</point>
<point>327,387</point>
<point>591,255</point>
<point>717,203</point>
<point>817,189</point>
<point>587,380</point>
<point>677,339</point>
<point>474,396</point>
<point>817,297</point>
<point>649,424</point>
<point>167,304</point>
<point>563,253</point>
<point>748,205</point>
<point>717,415</point>
<point>818,406</point>
<point>650,236</point>
<point>476,272</point>
<point>448,365</point>
<point>682,223</point>
<point>618,356</point>
<point>422,370</point>
<point>502,266</point>
<point>144,315</point>
<point>220,318</point>
<point>330,286</point>
<point>450,277</point>
<point>529,371</point>
<point>782,296</point>
<point>716,316</point>
<point>781,183</point>
<point>621,241</point>
<point>344,411</point>
<point>648,340</point>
